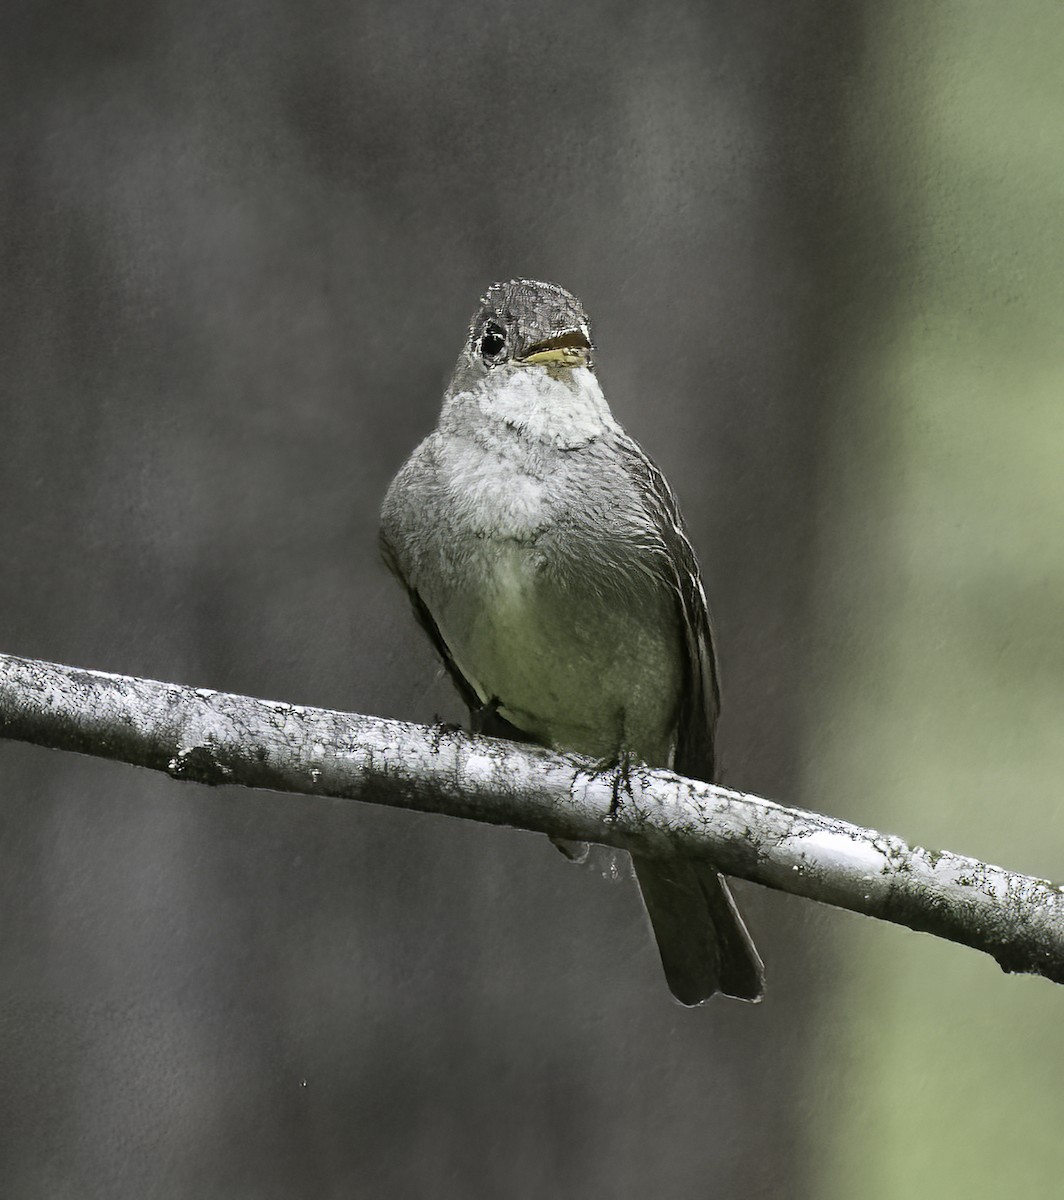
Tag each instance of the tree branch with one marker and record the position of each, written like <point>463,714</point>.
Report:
<point>214,738</point>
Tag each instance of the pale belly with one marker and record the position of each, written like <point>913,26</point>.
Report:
<point>571,668</point>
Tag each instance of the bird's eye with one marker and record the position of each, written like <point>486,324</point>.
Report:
<point>492,340</point>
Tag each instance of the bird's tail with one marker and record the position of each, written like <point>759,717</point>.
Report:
<point>701,937</point>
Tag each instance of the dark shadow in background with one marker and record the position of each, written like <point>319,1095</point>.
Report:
<point>240,246</point>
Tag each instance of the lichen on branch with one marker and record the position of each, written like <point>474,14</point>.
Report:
<point>206,737</point>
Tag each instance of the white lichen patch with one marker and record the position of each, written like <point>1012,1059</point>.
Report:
<point>829,850</point>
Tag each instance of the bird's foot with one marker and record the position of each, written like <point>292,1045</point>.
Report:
<point>482,718</point>
<point>618,768</point>
<point>442,729</point>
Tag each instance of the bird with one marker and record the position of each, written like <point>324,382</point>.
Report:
<point>546,558</point>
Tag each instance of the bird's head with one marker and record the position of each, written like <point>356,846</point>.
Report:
<point>525,323</point>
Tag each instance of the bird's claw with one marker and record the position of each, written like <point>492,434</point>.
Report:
<point>619,769</point>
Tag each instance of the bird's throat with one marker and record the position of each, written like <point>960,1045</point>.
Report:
<point>561,406</point>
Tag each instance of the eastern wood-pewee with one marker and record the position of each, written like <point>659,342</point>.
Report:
<point>546,558</point>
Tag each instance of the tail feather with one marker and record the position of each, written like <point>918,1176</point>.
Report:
<point>701,937</point>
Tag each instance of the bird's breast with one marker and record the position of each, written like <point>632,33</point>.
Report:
<point>499,498</point>
<point>564,665</point>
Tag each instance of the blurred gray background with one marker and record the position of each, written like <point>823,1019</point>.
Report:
<point>240,245</point>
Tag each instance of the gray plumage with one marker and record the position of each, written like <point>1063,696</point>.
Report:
<point>546,558</point>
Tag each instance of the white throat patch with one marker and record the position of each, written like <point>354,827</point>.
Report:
<point>563,406</point>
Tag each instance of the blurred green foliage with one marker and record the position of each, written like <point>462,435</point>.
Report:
<point>941,582</point>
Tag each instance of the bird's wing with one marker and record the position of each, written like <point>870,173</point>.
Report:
<point>701,936</point>
<point>483,718</point>
<point>675,563</point>
<point>428,624</point>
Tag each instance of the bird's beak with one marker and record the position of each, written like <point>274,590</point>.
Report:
<point>568,349</point>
